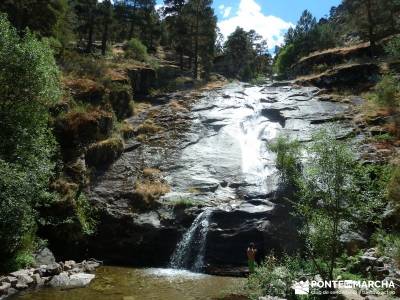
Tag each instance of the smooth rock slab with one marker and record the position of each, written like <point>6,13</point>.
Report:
<point>64,281</point>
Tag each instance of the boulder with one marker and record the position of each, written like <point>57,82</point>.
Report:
<point>60,281</point>
<point>25,280</point>
<point>53,269</point>
<point>64,281</point>
<point>4,286</point>
<point>121,100</point>
<point>86,90</point>
<point>355,77</point>
<point>103,153</point>
<point>81,128</point>
<point>142,80</point>
<point>44,257</point>
<point>352,242</point>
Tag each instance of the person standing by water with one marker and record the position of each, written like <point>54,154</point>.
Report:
<point>251,257</point>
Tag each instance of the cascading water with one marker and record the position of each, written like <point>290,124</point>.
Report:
<point>190,251</point>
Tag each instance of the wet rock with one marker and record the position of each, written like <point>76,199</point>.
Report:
<point>9,279</point>
<point>4,287</point>
<point>44,257</point>
<point>25,279</point>
<point>69,265</point>
<point>53,269</point>
<point>80,280</point>
<point>21,286</point>
<point>60,281</point>
<point>38,280</point>
<point>230,233</point>
<point>274,115</point>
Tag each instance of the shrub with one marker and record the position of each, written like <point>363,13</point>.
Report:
<point>82,65</point>
<point>287,157</point>
<point>275,277</point>
<point>393,188</point>
<point>183,203</point>
<point>285,59</point>
<point>388,244</point>
<point>387,92</point>
<point>85,214</point>
<point>135,49</point>
<point>393,48</point>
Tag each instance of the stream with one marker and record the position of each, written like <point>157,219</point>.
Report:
<point>218,159</point>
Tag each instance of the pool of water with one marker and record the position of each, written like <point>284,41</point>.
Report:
<point>121,283</point>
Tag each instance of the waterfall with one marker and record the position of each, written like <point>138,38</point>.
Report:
<point>190,251</point>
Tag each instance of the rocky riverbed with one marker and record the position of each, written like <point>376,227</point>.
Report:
<point>48,273</point>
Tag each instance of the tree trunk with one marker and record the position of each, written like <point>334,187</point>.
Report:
<point>90,38</point>
<point>196,44</point>
<point>105,38</point>
<point>371,26</point>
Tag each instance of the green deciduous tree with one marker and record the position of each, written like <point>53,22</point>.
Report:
<point>27,145</point>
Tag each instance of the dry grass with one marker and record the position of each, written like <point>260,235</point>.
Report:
<point>148,127</point>
<point>151,190</point>
<point>177,106</point>
<point>127,130</point>
<point>151,172</point>
<point>139,107</point>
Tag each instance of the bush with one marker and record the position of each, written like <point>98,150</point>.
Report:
<point>393,188</point>
<point>135,49</point>
<point>82,65</point>
<point>85,214</point>
<point>287,158</point>
<point>388,244</point>
<point>275,277</point>
<point>286,58</point>
<point>393,48</point>
<point>183,203</point>
<point>387,92</point>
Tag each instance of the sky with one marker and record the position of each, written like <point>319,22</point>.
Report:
<point>270,18</point>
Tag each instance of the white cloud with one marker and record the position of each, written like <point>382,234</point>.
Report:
<point>227,12</point>
<point>249,16</point>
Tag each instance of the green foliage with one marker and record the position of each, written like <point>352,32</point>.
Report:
<point>388,244</point>
<point>184,203</point>
<point>86,215</point>
<point>29,82</point>
<point>393,188</point>
<point>135,49</point>
<point>287,158</point>
<point>83,65</point>
<point>285,59</point>
<point>332,189</point>
<point>16,213</point>
<point>393,48</point>
<point>275,277</point>
<point>387,92</point>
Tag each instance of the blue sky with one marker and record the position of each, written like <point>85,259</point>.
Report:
<point>288,10</point>
<point>270,18</point>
